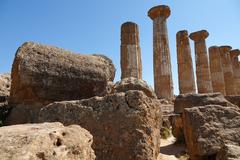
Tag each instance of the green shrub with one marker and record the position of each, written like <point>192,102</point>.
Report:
<point>165,132</point>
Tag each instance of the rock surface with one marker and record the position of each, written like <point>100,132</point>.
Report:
<point>5,85</point>
<point>4,109</point>
<point>209,128</point>
<point>177,127</point>
<point>43,74</point>
<point>190,100</point>
<point>134,84</point>
<point>229,152</point>
<point>124,125</point>
<point>234,100</point>
<point>193,100</point>
<point>47,141</point>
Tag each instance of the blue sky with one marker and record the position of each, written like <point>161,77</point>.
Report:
<point>93,26</point>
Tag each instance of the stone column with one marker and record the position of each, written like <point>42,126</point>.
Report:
<point>204,83</point>
<point>185,67</point>
<point>163,84</point>
<point>227,70</point>
<point>131,63</point>
<point>236,68</point>
<point>216,70</point>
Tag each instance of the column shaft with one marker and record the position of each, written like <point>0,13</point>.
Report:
<point>236,69</point>
<point>216,69</point>
<point>163,84</point>
<point>227,70</point>
<point>185,67</point>
<point>131,63</point>
<point>204,83</point>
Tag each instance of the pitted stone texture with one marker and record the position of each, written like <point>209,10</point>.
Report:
<point>236,68</point>
<point>163,84</point>
<point>208,129</point>
<point>217,75</point>
<point>47,141</point>
<point>185,67</point>
<point>43,74</point>
<point>193,100</point>
<point>203,75</point>
<point>132,83</point>
<point>229,152</point>
<point>234,100</point>
<point>5,84</point>
<point>124,125</point>
<point>131,62</point>
<point>227,70</point>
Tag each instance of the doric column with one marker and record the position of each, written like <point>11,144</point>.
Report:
<point>227,70</point>
<point>236,68</point>
<point>216,70</point>
<point>131,63</point>
<point>163,84</point>
<point>204,83</point>
<point>185,67</point>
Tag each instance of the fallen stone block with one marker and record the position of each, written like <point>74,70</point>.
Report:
<point>124,125</point>
<point>47,141</point>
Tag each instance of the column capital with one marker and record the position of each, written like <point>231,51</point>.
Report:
<point>234,53</point>
<point>159,11</point>
<point>199,35</point>
<point>225,49</point>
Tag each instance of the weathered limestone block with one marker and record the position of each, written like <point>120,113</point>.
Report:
<point>234,100</point>
<point>227,70</point>
<point>124,125</point>
<point>185,68</point>
<point>44,74</point>
<point>47,141</point>
<point>236,69</point>
<point>204,83</point>
<point>184,101</point>
<point>191,100</point>
<point>5,85</point>
<point>217,75</point>
<point>163,84</point>
<point>208,129</point>
<point>229,152</point>
<point>134,84</point>
<point>131,62</point>
<point>177,127</point>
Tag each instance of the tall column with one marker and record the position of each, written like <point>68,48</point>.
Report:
<point>236,68</point>
<point>204,83</point>
<point>163,84</point>
<point>216,69</point>
<point>227,70</point>
<point>185,67</point>
<point>131,63</point>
